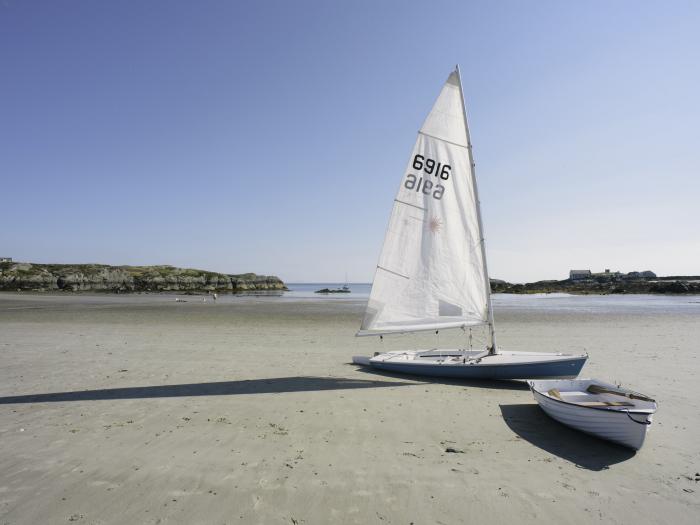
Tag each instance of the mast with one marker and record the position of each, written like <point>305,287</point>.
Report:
<point>482,243</point>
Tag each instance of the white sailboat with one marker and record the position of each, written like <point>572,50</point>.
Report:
<point>432,272</point>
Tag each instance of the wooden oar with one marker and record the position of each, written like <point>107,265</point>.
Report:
<point>557,395</point>
<point>603,403</point>
<point>596,389</point>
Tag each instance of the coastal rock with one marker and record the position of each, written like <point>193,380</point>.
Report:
<point>104,278</point>
<point>604,285</point>
<point>673,287</point>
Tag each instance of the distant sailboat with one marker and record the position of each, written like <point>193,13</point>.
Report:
<point>432,272</point>
<point>343,289</point>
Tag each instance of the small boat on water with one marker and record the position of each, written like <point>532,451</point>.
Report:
<point>597,408</point>
<point>343,289</point>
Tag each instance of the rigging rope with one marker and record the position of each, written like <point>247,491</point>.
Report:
<point>645,422</point>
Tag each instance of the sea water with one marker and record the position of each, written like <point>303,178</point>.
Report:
<point>600,304</point>
<point>551,302</point>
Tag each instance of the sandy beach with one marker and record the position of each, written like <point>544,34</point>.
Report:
<point>140,409</point>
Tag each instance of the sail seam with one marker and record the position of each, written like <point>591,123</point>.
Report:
<point>395,273</point>
<point>443,140</point>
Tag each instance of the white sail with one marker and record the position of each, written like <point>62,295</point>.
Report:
<point>432,271</point>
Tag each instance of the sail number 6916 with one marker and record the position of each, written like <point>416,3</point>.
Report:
<point>430,167</point>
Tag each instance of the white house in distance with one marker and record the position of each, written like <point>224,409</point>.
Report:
<point>5,259</point>
<point>576,275</point>
<point>580,275</point>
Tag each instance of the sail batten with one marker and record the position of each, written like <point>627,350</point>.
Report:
<point>393,272</point>
<point>431,273</point>
<point>438,138</point>
<point>409,204</point>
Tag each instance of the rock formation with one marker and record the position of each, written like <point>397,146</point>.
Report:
<point>661,285</point>
<point>104,278</point>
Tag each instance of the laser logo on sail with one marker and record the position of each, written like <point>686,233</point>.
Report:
<point>435,224</point>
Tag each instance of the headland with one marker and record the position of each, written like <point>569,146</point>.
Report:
<point>124,279</point>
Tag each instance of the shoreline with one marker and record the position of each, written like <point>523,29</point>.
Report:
<point>319,295</point>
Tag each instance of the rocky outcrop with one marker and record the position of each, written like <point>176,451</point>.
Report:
<point>601,286</point>
<point>675,287</point>
<point>103,278</point>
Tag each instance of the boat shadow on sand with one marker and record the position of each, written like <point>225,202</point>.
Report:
<point>530,423</point>
<point>273,385</point>
<point>493,384</point>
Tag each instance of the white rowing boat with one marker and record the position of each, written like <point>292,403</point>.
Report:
<point>597,408</point>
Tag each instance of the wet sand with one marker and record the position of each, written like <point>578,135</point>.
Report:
<point>138,409</point>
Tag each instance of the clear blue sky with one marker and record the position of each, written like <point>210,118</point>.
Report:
<point>272,136</point>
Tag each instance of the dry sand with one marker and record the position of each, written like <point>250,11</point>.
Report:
<point>143,410</point>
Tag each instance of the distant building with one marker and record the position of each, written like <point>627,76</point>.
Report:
<point>607,273</point>
<point>608,276</point>
<point>641,275</point>
<point>576,275</point>
<point>5,259</point>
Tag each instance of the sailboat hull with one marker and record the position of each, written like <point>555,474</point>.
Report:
<point>473,365</point>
